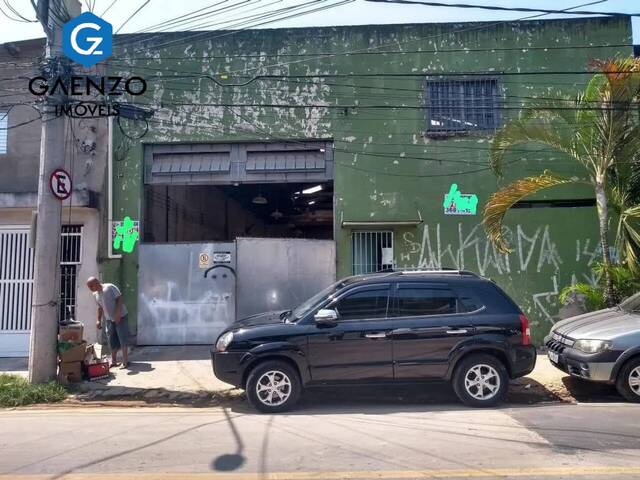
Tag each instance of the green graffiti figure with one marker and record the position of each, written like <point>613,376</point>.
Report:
<point>456,203</point>
<point>126,236</point>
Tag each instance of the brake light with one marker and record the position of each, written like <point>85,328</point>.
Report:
<point>526,331</point>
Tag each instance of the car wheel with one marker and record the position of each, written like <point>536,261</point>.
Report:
<point>273,386</point>
<point>481,380</point>
<point>628,381</point>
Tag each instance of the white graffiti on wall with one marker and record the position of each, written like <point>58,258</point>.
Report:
<point>474,251</point>
<point>537,298</point>
<point>172,315</point>
<point>534,251</point>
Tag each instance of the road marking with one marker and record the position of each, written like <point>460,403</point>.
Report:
<point>355,475</point>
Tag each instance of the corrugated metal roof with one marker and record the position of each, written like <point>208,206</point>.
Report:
<point>188,163</point>
<point>285,161</point>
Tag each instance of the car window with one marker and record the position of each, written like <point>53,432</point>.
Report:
<point>423,300</point>
<point>467,301</point>
<point>303,309</point>
<point>364,304</point>
<point>631,304</point>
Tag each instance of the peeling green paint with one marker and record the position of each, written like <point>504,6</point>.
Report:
<point>386,168</point>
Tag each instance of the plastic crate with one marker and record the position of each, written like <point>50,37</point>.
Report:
<point>97,369</point>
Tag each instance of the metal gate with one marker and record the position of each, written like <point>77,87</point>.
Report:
<point>371,251</point>
<point>186,292</point>
<point>16,291</point>
<point>189,292</point>
<point>281,273</point>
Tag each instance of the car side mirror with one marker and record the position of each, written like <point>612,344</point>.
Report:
<point>326,317</point>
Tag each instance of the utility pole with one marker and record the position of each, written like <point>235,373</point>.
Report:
<point>45,305</point>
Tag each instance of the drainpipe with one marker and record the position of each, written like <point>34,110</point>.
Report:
<point>110,192</point>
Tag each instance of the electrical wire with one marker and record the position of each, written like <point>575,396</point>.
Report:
<point>18,17</point>
<point>133,15</point>
<point>463,30</point>
<point>506,9</point>
<point>247,25</point>
<point>185,19</point>
<point>104,12</point>
<point>321,55</point>
<point>369,171</point>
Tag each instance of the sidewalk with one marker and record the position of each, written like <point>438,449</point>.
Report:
<point>183,375</point>
<point>169,374</point>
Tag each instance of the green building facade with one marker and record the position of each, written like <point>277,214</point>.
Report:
<point>403,108</point>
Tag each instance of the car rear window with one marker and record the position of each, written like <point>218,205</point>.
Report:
<point>493,297</point>
<point>416,300</point>
<point>468,301</point>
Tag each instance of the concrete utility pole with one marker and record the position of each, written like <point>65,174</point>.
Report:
<point>46,296</point>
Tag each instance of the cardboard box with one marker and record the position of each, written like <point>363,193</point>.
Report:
<point>69,372</point>
<point>71,333</point>
<point>72,352</point>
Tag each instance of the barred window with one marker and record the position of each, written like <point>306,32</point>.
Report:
<point>462,105</point>
<point>70,259</point>
<point>4,123</point>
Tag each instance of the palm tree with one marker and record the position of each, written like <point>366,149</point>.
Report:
<point>601,132</point>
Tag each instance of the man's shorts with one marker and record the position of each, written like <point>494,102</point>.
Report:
<point>118,333</point>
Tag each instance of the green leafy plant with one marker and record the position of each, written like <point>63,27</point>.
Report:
<point>593,295</point>
<point>625,281</point>
<point>16,391</point>
<point>601,132</point>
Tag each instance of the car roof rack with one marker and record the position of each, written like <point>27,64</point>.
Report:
<point>420,271</point>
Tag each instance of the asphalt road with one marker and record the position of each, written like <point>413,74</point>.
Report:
<point>324,440</point>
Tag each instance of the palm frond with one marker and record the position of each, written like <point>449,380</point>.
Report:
<point>538,125</point>
<point>501,201</point>
<point>628,237</point>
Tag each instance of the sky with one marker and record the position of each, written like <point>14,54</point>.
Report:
<point>357,12</point>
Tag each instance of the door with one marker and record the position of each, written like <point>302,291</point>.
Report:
<point>16,291</point>
<point>358,347</point>
<point>281,273</point>
<point>428,325</point>
<point>186,292</point>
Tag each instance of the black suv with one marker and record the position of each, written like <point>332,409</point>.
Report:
<point>403,326</point>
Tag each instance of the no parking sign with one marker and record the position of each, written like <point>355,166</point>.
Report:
<point>60,184</point>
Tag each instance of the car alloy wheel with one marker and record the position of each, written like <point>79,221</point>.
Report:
<point>482,382</point>
<point>634,380</point>
<point>273,388</point>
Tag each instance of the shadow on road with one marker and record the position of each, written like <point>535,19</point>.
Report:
<point>591,392</point>
<point>134,368</point>
<point>405,398</point>
<point>230,461</point>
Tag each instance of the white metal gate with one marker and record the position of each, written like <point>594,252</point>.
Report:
<point>16,291</point>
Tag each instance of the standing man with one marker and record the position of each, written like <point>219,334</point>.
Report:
<point>111,306</point>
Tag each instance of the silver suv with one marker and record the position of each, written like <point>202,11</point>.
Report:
<point>602,346</point>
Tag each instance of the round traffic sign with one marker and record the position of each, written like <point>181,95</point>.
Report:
<point>60,184</point>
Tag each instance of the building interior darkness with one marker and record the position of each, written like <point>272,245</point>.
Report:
<point>221,213</point>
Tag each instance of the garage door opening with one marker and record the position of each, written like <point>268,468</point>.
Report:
<point>222,213</point>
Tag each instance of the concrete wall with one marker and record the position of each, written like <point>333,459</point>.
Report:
<point>19,166</point>
<point>387,168</point>
<point>85,139</point>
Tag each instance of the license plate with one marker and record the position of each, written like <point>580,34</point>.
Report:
<point>553,356</point>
